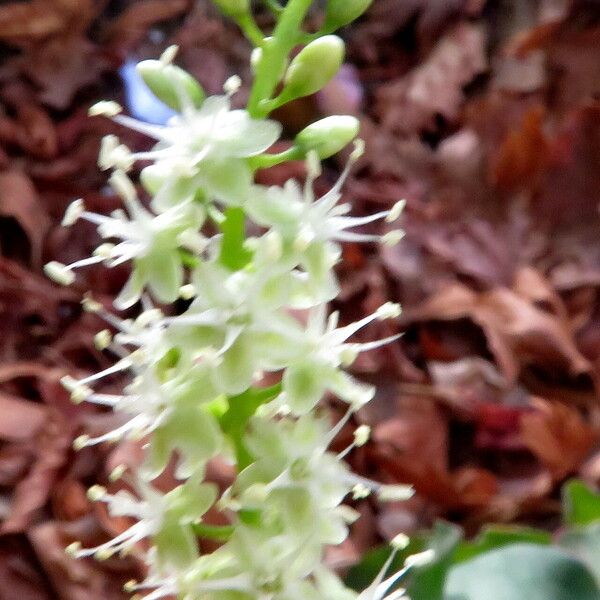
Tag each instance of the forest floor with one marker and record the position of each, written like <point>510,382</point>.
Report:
<point>484,116</point>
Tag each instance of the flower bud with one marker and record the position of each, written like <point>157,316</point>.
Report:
<point>328,136</point>
<point>313,67</point>
<point>341,12</point>
<point>170,84</point>
<point>233,8</point>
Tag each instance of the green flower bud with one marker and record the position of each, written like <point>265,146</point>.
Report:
<point>233,8</point>
<point>328,136</point>
<point>341,12</point>
<point>313,67</point>
<point>170,83</point>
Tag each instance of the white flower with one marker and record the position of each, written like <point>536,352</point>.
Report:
<point>165,397</point>
<point>325,351</point>
<point>304,220</point>
<point>164,517</point>
<point>152,242</point>
<point>311,229</point>
<point>210,143</point>
<point>236,324</point>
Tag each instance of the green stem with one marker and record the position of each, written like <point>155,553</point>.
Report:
<point>251,30</point>
<point>220,533</point>
<point>273,6</point>
<point>264,161</point>
<point>275,51</point>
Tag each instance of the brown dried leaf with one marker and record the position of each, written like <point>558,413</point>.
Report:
<point>21,419</point>
<point>19,200</point>
<point>25,21</point>
<point>518,333</point>
<point>72,579</point>
<point>522,154</point>
<point>436,87</point>
<point>134,22</point>
<point>31,493</point>
<point>558,436</point>
<point>20,578</point>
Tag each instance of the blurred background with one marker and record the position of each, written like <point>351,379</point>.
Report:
<point>485,116</point>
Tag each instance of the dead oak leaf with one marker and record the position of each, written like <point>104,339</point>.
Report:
<point>21,419</point>
<point>31,494</point>
<point>517,332</point>
<point>19,200</point>
<point>557,434</point>
<point>435,87</point>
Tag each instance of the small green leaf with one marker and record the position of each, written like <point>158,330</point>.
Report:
<point>520,572</point>
<point>581,505</point>
<point>496,536</point>
<point>427,582</point>
<point>584,542</point>
<point>424,583</point>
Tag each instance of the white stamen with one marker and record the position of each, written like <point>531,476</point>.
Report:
<point>389,310</point>
<point>400,541</point>
<point>102,339</point>
<point>396,211</point>
<point>105,108</point>
<point>392,238</point>
<point>393,493</point>
<point>169,54</point>
<point>421,559</point>
<point>73,213</point>
<point>59,273</point>
<point>232,85</point>
<point>361,435</point>
<point>187,291</point>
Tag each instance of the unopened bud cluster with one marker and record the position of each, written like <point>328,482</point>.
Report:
<point>195,388</point>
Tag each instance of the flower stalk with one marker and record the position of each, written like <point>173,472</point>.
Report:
<point>196,387</point>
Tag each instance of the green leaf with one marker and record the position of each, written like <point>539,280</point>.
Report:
<point>584,542</point>
<point>427,582</point>
<point>581,505</point>
<point>496,536</point>
<point>361,575</point>
<point>233,253</point>
<point>518,572</point>
<point>424,583</point>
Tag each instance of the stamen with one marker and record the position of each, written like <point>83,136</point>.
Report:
<point>187,291</point>
<point>396,211</point>
<point>105,108</point>
<point>389,310</point>
<point>169,54</point>
<point>102,340</point>
<point>59,273</point>
<point>232,85</point>
<point>392,238</point>
<point>73,213</point>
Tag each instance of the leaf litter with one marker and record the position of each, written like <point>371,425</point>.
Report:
<point>486,121</point>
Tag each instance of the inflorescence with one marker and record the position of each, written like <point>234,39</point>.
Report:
<point>195,386</point>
